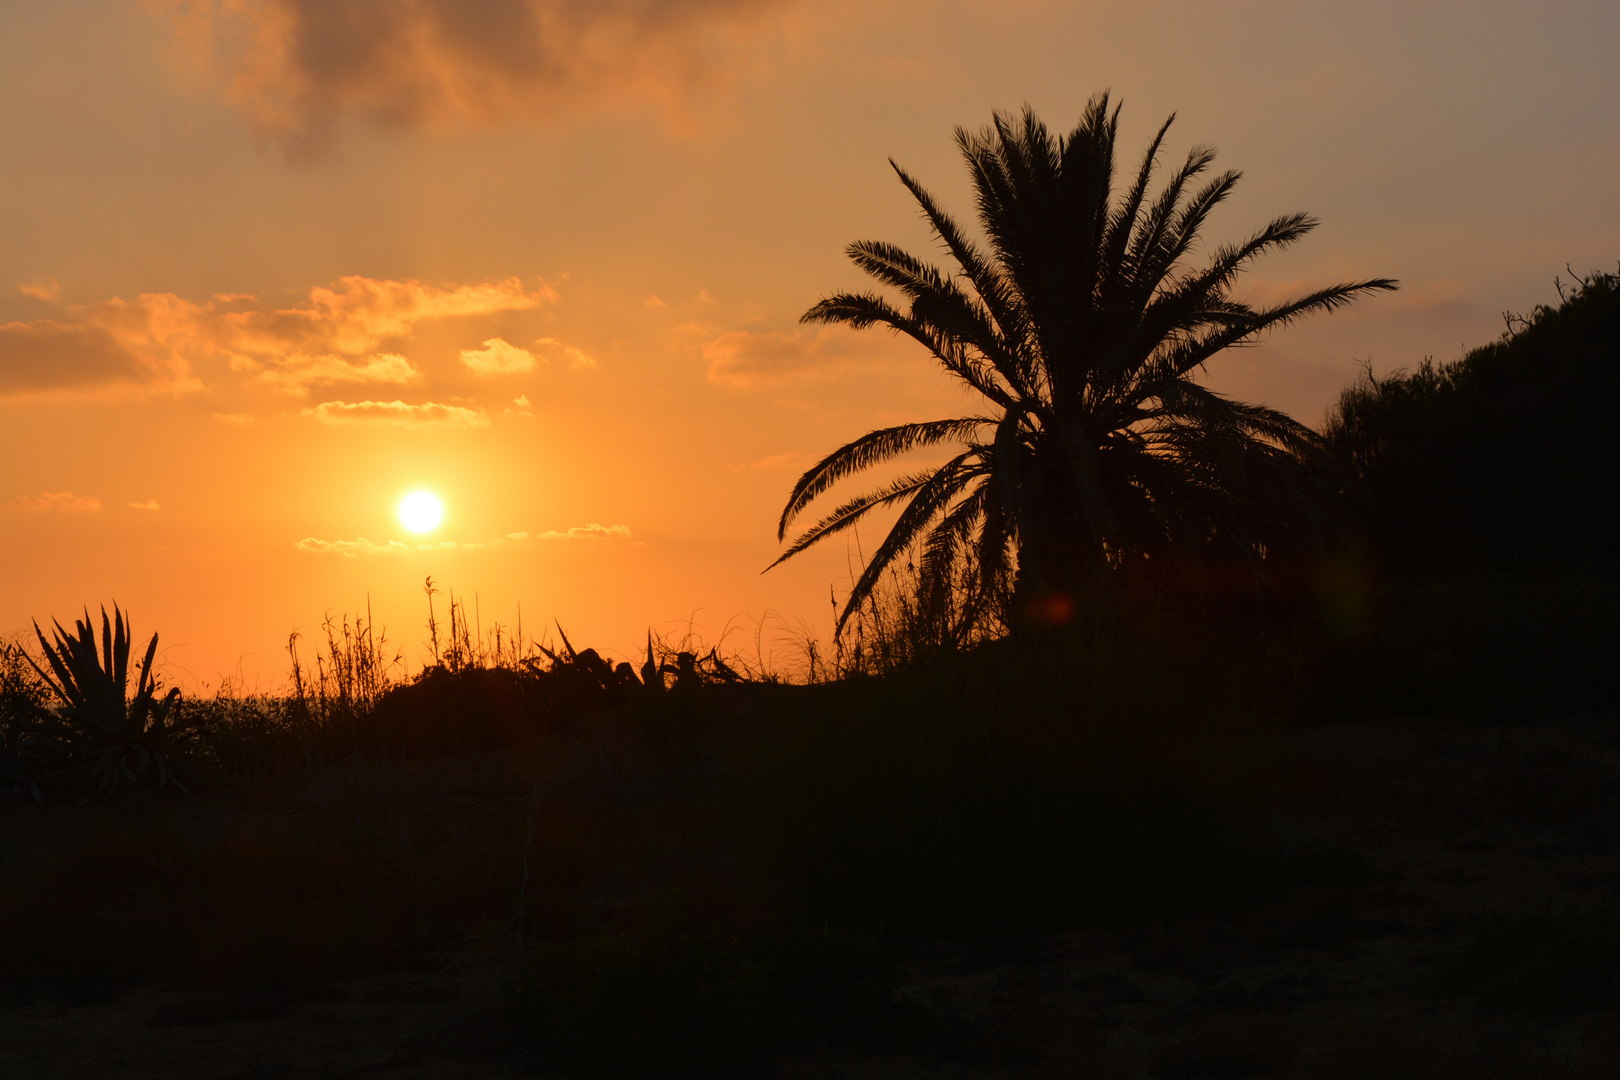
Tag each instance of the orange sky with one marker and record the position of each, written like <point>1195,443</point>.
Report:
<point>268,265</point>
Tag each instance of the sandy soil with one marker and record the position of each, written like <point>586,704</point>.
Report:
<point>1460,825</point>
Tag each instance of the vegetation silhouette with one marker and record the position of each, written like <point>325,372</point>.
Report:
<point>1500,460</point>
<point>1492,515</point>
<point>698,870</point>
<point>100,736</point>
<point>1082,330</point>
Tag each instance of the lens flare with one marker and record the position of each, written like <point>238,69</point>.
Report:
<point>420,512</point>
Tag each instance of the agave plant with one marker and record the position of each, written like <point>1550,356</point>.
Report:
<point>119,739</point>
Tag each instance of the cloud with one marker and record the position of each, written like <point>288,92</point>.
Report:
<point>794,459</point>
<point>655,304</point>
<point>1439,295</point>
<point>159,340</point>
<point>53,500</point>
<point>592,531</point>
<point>362,546</point>
<point>149,504</point>
<point>45,355</point>
<point>350,548</point>
<point>294,68</point>
<point>397,412</point>
<point>521,401</point>
<point>1266,292</point>
<point>747,360</point>
<point>498,357</point>
<point>42,288</point>
<point>574,357</point>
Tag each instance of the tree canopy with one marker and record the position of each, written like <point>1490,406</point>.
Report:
<point>1079,325</point>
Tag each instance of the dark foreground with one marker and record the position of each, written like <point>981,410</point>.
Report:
<point>1458,919</point>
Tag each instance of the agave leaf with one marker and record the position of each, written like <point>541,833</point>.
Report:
<point>146,684</point>
<point>114,649</point>
<point>62,685</point>
<point>123,737</point>
<point>102,707</point>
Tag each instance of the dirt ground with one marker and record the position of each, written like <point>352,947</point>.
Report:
<point>1457,826</point>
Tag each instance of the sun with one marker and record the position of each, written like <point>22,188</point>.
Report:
<point>420,512</point>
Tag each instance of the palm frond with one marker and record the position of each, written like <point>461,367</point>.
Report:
<point>852,511</point>
<point>927,500</point>
<point>871,449</point>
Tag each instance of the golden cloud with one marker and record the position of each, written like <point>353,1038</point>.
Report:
<point>498,357</point>
<point>350,548</point>
<point>159,339</point>
<point>53,500</point>
<point>397,412</point>
<point>592,531</point>
<point>294,67</point>
<point>362,546</point>
<point>574,357</point>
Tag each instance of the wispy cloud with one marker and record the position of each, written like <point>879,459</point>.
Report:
<point>149,504</point>
<point>46,355</point>
<point>296,67</point>
<point>41,288</point>
<point>397,412</point>
<point>53,500</point>
<point>747,360</point>
<point>351,548</point>
<point>592,531</point>
<point>349,333</point>
<point>574,357</point>
<point>362,546</point>
<point>498,357</point>
<point>794,459</point>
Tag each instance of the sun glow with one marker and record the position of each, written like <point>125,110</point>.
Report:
<point>420,512</point>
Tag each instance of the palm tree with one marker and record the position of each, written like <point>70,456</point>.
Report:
<point>1081,329</point>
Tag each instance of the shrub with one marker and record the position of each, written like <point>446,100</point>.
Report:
<point>1537,643</point>
<point>1503,458</point>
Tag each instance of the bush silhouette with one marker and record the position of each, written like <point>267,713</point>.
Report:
<point>1502,459</point>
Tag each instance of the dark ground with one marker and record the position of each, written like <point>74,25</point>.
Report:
<point>1448,829</point>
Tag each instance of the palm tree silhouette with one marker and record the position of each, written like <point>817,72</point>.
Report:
<point>1082,330</point>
